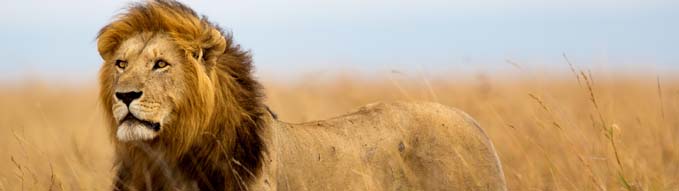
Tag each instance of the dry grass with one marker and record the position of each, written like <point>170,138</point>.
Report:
<point>581,132</point>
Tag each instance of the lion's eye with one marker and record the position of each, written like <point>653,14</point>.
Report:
<point>160,64</point>
<point>121,64</point>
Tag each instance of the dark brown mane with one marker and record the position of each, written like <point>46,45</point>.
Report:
<point>227,154</point>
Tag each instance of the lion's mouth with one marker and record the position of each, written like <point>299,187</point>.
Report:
<point>150,125</point>
<point>132,128</point>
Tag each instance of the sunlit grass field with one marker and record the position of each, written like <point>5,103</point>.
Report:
<point>575,131</point>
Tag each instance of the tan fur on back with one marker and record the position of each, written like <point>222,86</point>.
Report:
<point>384,146</point>
<point>214,133</point>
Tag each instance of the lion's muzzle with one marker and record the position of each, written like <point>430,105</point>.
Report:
<point>136,120</point>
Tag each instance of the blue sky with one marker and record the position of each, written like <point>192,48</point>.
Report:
<point>39,38</point>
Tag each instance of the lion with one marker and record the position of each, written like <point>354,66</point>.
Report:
<point>185,113</point>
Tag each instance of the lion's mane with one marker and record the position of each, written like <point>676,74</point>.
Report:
<point>215,137</point>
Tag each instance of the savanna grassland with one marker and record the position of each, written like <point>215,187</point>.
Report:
<point>575,131</point>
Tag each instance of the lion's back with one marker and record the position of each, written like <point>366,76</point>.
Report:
<point>402,146</point>
<point>445,145</point>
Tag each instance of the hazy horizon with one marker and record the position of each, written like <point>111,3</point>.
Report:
<point>56,40</point>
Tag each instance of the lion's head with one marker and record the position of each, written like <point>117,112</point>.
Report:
<point>148,82</point>
<point>172,79</point>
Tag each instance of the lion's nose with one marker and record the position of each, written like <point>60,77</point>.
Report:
<point>128,97</point>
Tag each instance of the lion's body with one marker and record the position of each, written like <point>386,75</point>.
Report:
<point>386,146</point>
<point>185,113</point>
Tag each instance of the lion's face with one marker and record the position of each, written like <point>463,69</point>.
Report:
<point>147,84</point>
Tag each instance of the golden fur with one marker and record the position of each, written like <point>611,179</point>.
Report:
<point>216,79</point>
<point>214,133</point>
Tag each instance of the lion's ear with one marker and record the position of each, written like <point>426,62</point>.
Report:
<point>106,42</point>
<point>213,47</point>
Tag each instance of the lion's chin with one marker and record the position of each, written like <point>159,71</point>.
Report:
<point>136,130</point>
